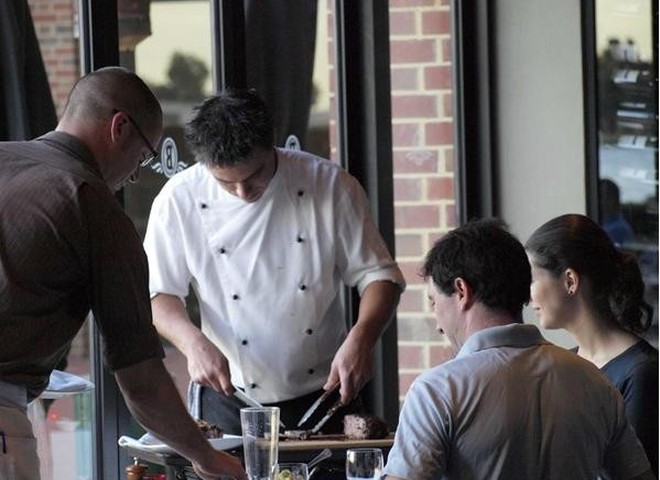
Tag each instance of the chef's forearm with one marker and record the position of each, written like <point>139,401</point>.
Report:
<point>173,323</point>
<point>377,305</point>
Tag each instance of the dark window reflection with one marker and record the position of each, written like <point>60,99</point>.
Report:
<point>628,132</point>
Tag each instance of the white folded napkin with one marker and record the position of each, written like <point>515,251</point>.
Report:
<point>62,384</point>
<point>149,443</point>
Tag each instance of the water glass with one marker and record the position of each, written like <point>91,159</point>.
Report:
<point>260,428</point>
<point>364,463</point>
<point>292,471</point>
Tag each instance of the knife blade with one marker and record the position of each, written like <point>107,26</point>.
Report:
<point>310,411</point>
<point>245,398</point>
<point>330,413</point>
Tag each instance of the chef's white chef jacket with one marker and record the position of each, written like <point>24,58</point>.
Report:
<point>268,274</point>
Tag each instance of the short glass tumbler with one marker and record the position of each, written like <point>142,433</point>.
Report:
<point>364,463</point>
<point>292,471</point>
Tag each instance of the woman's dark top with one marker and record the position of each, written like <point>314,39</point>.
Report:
<point>635,375</point>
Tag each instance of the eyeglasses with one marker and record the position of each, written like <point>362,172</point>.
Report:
<point>153,153</point>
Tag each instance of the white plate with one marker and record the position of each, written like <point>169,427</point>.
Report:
<point>149,443</point>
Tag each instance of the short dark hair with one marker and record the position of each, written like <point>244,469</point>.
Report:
<point>97,94</point>
<point>575,241</point>
<point>489,258</point>
<point>227,126</point>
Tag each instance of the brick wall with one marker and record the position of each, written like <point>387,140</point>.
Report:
<point>422,128</point>
<point>55,24</point>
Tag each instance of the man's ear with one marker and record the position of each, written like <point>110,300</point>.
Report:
<point>572,281</point>
<point>464,292</point>
<point>118,126</point>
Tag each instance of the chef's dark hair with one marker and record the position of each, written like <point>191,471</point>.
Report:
<point>489,258</point>
<point>227,126</point>
<point>577,242</point>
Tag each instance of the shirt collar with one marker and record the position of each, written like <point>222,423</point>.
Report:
<point>69,143</point>
<point>513,335</point>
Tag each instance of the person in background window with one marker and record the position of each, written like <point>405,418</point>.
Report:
<point>267,237</point>
<point>67,247</point>
<point>614,223</point>
<point>582,284</point>
<point>510,405</point>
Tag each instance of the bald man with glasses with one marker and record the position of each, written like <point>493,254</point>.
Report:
<point>67,247</point>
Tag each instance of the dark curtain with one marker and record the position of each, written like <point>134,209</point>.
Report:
<point>26,104</point>
<point>280,42</point>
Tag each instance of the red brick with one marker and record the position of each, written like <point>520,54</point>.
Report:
<point>418,216</point>
<point>440,188</point>
<point>412,51</point>
<point>39,17</point>
<point>440,354</point>
<point>447,50</point>
<point>411,356</point>
<point>448,105</point>
<point>406,134</point>
<point>411,3</point>
<point>412,300</point>
<point>402,23</point>
<point>414,106</point>
<point>410,271</point>
<point>450,166</point>
<point>451,221</point>
<point>439,133</point>
<point>415,161</point>
<point>407,189</point>
<point>437,77</point>
<point>408,245</point>
<point>404,78</point>
<point>436,22</point>
<point>435,236</point>
<point>405,381</point>
<point>63,7</point>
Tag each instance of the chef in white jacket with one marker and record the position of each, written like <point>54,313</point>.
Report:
<point>267,238</point>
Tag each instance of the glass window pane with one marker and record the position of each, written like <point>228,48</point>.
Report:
<point>628,134</point>
<point>167,43</point>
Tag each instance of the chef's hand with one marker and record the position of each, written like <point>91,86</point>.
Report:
<point>208,366</point>
<point>352,368</point>
<point>219,464</point>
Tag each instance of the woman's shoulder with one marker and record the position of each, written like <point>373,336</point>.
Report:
<point>638,361</point>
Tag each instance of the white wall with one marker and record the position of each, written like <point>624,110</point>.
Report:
<point>540,123</point>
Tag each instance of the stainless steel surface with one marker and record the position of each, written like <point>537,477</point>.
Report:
<point>310,411</point>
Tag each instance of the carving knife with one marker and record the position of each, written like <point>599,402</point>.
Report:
<point>310,411</point>
<point>329,414</point>
<point>245,398</point>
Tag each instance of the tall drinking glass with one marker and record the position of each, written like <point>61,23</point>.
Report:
<point>364,463</point>
<point>260,428</point>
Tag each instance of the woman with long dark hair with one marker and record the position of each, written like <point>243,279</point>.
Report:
<point>583,284</point>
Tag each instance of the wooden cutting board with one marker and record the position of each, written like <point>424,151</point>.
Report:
<point>319,442</point>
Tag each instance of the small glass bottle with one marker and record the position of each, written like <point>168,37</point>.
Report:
<point>136,470</point>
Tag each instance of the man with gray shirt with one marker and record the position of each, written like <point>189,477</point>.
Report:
<point>510,405</point>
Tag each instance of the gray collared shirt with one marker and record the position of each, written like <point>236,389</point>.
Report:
<point>513,406</point>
